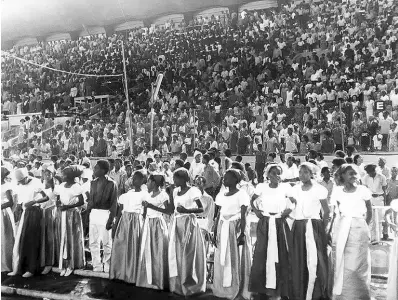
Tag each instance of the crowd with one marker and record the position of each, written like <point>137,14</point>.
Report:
<point>290,229</point>
<point>232,70</point>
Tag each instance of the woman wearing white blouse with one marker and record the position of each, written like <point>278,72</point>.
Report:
<point>152,262</point>
<point>351,238</point>
<point>7,222</point>
<point>270,268</point>
<point>186,253</point>
<point>232,264</point>
<point>307,249</point>
<point>26,251</point>
<point>125,248</point>
<point>69,199</point>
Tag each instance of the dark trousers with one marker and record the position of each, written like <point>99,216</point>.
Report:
<point>31,240</point>
<point>260,172</point>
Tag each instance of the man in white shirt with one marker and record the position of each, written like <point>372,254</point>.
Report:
<point>87,144</point>
<point>290,170</point>
<point>394,97</point>
<point>377,184</point>
<point>213,142</point>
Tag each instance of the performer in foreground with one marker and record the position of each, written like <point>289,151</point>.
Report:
<point>7,222</point>
<point>187,259</point>
<point>26,251</point>
<point>351,238</point>
<point>307,249</point>
<point>270,268</point>
<point>101,207</point>
<point>152,263</point>
<point>232,258</point>
<point>125,250</point>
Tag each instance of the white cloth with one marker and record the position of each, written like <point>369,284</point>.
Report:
<point>145,252</point>
<point>157,201</point>
<point>225,255</point>
<point>308,204</point>
<point>231,205</point>
<point>30,191</point>
<point>188,199</point>
<point>273,200</point>
<point>312,258</point>
<point>132,201</point>
<point>98,234</point>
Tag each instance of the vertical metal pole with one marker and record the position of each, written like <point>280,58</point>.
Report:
<point>194,130</point>
<point>341,125</point>
<point>126,91</point>
<point>152,112</point>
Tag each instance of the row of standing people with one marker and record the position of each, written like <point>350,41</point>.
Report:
<point>290,257</point>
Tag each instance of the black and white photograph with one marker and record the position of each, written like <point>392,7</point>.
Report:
<point>199,149</point>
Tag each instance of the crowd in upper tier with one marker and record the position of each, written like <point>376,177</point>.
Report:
<point>243,74</point>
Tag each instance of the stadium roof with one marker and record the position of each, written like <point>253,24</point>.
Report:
<point>30,18</point>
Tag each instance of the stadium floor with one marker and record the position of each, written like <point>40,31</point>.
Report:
<point>52,286</point>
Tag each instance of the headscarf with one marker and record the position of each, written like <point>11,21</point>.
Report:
<point>21,174</point>
<point>270,166</point>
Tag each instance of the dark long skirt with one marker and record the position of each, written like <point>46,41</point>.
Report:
<point>72,240</point>
<point>7,239</point>
<point>26,254</point>
<point>305,272</point>
<point>258,276</point>
<point>51,236</point>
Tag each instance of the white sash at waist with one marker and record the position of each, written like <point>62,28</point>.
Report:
<point>225,255</point>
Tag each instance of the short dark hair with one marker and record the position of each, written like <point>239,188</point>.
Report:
<point>104,165</point>
<point>340,153</point>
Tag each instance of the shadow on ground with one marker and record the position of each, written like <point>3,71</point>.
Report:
<point>95,288</point>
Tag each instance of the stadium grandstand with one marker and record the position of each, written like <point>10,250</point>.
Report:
<point>294,75</point>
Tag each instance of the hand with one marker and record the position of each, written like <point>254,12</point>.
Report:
<point>30,203</point>
<point>109,224</point>
<point>258,213</point>
<point>241,239</point>
<point>215,242</point>
<point>329,239</point>
<point>182,210</point>
<point>63,207</point>
<point>145,203</point>
<point>58,203</point>
<point>286,213</point>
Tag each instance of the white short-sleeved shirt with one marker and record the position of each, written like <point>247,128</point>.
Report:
<point>231,205</point>
<point>132,200</point>
<point>30,191</point>
<point>351,204</point>
<point>308,202</point>
<point>273,200</point>
<point>188,199</point>
<point>375,184</point>
<point>68,196</point>
<point>290,173</point>
<point>157,201</point>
